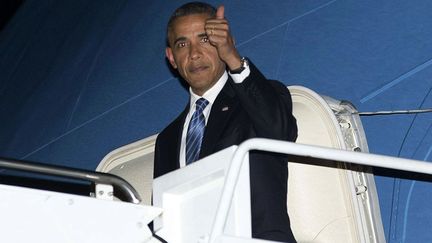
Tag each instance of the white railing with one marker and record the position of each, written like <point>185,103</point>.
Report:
<point>291,148</point>
<point>123,188</point>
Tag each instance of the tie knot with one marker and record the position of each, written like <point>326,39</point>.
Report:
<point>201,104</point>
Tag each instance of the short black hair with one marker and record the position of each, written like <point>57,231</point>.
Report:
<point>190,9</point>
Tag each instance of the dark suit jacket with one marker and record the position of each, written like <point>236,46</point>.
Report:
<point>256,108</point>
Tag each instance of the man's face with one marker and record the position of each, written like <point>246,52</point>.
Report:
<point>191,53</point>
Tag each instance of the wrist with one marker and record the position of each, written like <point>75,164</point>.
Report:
<point>239,69</point>
<point>234,62</point>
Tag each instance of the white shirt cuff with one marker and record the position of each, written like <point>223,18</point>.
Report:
<point>240,77</point>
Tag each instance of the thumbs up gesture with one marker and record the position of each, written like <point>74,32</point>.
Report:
<point>217,30</point>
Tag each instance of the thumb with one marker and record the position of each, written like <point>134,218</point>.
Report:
<point>220,12</point>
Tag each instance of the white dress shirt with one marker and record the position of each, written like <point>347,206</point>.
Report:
<point>209,95</point>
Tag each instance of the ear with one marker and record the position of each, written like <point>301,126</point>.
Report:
<point>170,56</point>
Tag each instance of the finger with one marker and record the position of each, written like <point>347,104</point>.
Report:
<point>217,33</point>
<point>220,13</point>
<point>212,29</point>
<point>212,26</point>
<point>216,21</point>
<point>218,38</point>
<point>217,41</point>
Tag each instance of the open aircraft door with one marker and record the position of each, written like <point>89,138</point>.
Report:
<point>328,201</point>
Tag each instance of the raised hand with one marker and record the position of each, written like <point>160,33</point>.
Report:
<point>217,30</point>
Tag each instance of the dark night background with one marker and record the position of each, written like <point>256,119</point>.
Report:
<point>80,78</point>
<point>7,10</point>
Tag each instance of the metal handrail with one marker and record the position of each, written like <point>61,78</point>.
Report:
<point>118,183</point>
<point>291,148</point>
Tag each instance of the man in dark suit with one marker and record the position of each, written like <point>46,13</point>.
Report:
<point>233,102</point>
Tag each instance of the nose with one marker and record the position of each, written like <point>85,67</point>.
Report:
<point>195,51</point>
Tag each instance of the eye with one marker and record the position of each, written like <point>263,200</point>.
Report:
<point>181,44</point>
<point>205,39</point>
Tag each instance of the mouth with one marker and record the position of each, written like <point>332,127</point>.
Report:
<point>197,69</point>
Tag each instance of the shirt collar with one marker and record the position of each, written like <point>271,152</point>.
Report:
<point>210,94</point>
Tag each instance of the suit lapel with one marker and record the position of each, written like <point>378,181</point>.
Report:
<point>220,114</point>
<point>180,124</point>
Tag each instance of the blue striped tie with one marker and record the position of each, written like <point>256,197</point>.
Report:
<point>195,132</point>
